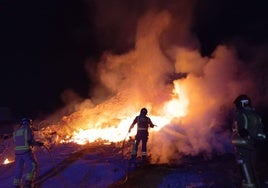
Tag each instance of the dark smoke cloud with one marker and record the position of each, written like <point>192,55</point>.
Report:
<point>116,21</point>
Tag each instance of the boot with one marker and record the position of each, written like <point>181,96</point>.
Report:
<point>247,185</point>
<point>144,158</point>
<point>28,184</point>
<point>133,157</point>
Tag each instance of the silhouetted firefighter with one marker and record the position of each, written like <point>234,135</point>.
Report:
<point>143,123</point>
<point>247,131</point>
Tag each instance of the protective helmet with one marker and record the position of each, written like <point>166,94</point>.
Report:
<point>26,121</point>
<point>144,111</point>
<point>242,101</point>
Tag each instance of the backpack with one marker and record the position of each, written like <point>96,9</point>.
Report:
<point>254,125</point>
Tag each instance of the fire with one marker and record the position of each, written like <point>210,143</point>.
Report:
<point>111,134</point>
<point>176,107</point>
<point>139,78</point>
<point>7,161</point>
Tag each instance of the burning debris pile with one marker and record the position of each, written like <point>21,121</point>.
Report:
<point>191,111</point>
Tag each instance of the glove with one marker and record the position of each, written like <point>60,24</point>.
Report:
<point>40,143</point>
<point>261,137</point>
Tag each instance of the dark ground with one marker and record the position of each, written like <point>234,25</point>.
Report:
<point>193,172</point>
<point>220,171</point>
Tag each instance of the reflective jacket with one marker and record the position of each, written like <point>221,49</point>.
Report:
<point>247,127</point>
<point>23,137</point>
<point>143,123</point>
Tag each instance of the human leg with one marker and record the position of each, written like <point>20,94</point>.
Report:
<point>30,171</point>
<point>246,167</point>
<point>144,147</point>
<point>19,162</point>
<point>135,147</point>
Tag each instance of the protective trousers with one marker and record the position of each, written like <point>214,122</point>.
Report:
<point>30,163</point>
<point>142,136</point>
<point>246,159</point>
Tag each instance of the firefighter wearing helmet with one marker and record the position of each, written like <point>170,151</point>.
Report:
<point>143,123</point>
<point>24,141</point>
<point>247,131</point>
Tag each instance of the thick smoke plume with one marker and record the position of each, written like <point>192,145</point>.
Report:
<point>148,74</point>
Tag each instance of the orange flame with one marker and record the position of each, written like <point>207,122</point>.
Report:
<point>176,107</point>
<point>7,161</point>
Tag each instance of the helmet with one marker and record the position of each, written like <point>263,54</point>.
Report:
<point>26,121</point>
<point>144,111</point>
<point>242,101</point>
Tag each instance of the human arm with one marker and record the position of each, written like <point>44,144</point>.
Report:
<point>132,125</point>
<point>240,122</point>
<point>151,123</point>
<point>31,139</point>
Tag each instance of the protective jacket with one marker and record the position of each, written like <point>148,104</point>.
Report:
<point>24,140</point>
<point>247,130</point>
<point>143,123</point>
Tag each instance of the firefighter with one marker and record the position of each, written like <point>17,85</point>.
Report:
<point>143,123</point>
<point>247,131</point>
<point>24,141</point>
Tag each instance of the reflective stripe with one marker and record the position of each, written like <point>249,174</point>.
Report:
<point>143,153</point>
<point>29,176</point>
<point>21,148</point>
<point>16,182</point>
<point>247,176</point>
<point>239,141</point>
<point>142,129</point>
<point>263,136</point>
<point>240,161</point>
<point>246,121</point>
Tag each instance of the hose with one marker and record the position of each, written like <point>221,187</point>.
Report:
<point>123,181</point>
<point>38,182</point>
<point>123,145</point>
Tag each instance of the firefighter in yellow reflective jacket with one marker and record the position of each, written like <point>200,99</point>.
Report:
<point>247,132</point>
<point>24,140</point>
<point>143,123</point>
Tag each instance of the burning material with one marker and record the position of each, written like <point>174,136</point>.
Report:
<point>7,161</point>
<point>114,130</point>
<point>193,105</point>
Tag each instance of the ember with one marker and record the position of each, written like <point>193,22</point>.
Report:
<point>7,161</point>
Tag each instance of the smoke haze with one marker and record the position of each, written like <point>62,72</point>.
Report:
<point>155,42</point>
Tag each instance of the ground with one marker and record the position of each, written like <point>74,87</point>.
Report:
<point>100,165</point>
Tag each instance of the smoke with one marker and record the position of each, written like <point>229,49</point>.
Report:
<point>159,45</point>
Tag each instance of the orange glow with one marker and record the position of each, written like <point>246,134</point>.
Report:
<point>7,161</point>
<point>139,78</point>
<point>117,130</point>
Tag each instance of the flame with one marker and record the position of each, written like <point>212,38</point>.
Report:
<point>189,112</point>
<point>175,108</point>
<point>7,161</point>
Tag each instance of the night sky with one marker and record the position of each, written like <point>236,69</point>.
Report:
<point>45,44</point>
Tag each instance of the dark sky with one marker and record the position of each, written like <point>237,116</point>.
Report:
<point>44,44</point>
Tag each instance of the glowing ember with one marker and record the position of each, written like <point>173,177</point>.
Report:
<point>7,161</point>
